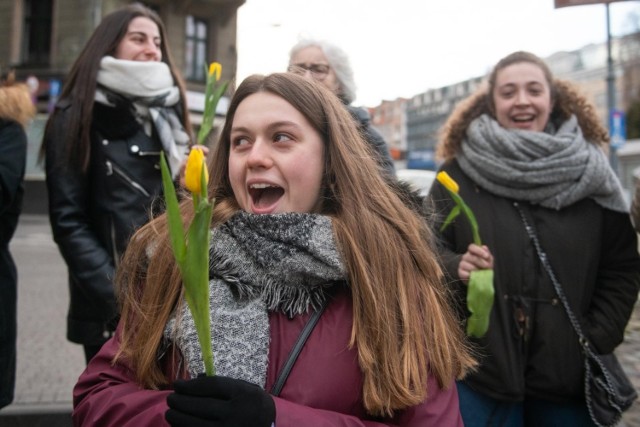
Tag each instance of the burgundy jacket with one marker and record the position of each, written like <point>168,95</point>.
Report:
<point>324,387</point>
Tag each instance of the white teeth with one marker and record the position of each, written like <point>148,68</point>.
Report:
<point>259,186</point>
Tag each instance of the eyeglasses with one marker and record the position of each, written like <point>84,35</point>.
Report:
<point>318,71</point>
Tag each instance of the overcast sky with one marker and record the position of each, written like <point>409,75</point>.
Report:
<point>399,48</point>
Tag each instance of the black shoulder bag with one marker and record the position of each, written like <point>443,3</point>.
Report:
<point>608,391</point>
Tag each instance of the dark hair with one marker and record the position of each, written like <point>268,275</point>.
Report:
<point>80,84</point>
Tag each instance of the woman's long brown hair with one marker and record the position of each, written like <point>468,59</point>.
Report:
<point>404,327</point>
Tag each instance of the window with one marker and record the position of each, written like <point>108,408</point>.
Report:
<point>36,40</point>
<point>196,49</point>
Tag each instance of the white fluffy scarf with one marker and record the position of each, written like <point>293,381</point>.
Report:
<point>149,86</point>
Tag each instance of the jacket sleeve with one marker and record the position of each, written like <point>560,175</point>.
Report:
<point>13,154</point>
<point>617,284</point>
<point>89,263</point>
<point>441,408</point>
<point>107,394</point>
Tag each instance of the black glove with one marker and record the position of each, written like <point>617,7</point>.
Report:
<point>219,402</point>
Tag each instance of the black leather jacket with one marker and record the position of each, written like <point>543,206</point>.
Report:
<point>93,214</point>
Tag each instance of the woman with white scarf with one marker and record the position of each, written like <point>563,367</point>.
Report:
<point>122,104</point>
<point>529,146</point>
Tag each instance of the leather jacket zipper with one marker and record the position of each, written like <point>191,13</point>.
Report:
<point>114,247</point>
<point>111,168</point>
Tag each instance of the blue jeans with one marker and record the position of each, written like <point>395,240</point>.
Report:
<point>479,410</point>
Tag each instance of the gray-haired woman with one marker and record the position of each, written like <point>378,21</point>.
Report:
<point>329,65</point>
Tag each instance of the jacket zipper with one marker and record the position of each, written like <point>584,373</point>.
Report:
<point>114,248</point>
<point>111,168</point>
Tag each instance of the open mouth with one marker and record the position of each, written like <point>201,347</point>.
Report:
<point>263,196</point>
<point>523,119</point>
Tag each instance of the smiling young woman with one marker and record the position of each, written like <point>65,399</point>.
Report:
<point>302,220</point>
<point>275,165</point>
<point>529,144</point>
<point>122,104</point>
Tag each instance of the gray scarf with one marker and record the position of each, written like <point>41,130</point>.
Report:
<point>552,169</point>
<point>259,263</point>
<point>149,86</point>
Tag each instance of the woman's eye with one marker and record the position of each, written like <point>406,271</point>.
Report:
<point>240,141</point>
<point>281,137</point>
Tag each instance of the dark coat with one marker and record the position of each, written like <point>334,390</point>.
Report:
<point>530,348</point>
<point>93,214</point>
<point>324,387</point>
<point>13,155</point>
<point>373,137</point>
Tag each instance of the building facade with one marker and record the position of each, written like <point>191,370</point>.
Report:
<point>389,119</point>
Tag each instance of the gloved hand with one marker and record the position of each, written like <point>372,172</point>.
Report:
<point>219,402</point>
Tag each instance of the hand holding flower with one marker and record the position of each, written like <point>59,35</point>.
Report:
<point>476,258</point>
<point>476,264</point>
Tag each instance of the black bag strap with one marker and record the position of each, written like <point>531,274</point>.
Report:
<point>531,231</point>
<point>608,384</point>
<point>297,348</point>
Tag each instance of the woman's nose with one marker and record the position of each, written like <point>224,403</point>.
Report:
<point>153,51</point>
<point>260,155</point>
<point>522,98</point>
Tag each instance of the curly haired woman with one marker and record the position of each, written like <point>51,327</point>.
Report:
<point>529,146</point>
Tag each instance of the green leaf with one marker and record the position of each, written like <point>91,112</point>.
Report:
<point>470,216</point>
<point>203,182</point>
<point>174,219</point>
<point>196,279</point>
<point>480,295</point>
<point>213,93</point>
<point>455,211</point>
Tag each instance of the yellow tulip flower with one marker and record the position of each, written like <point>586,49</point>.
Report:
<point>193,172</point>
<point>448,182</point>
<point>215,69</point>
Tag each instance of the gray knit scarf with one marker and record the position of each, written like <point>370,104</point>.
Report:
<point>259,263</point>
<point>149,86</point>
<point>553,169</point>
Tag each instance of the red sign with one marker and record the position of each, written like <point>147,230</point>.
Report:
<point>566,3</point>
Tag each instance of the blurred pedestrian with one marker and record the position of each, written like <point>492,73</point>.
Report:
<point>529,147</point>
<point>301,221</point>
<point>329,65</point>
<point>16,109</point>
<point>122,104</point>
